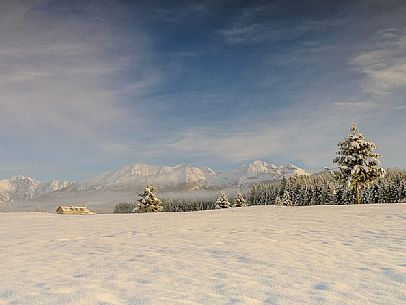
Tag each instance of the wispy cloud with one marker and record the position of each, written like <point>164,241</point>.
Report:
<point>296,134</point>
<point>185,9</point>
<point>242,33</point>
<point>357,104</point>
<point>64,72</point>
<point>257,25</point>
<point>232,146</point>
<point>384,64</point>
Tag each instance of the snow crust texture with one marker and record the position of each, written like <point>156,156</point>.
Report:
<point>253,255</point>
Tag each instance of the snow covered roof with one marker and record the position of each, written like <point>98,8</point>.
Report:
<point>71,209</point>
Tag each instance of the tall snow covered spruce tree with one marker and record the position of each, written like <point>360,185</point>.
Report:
<point>148,201</point>
<point>357,164</point>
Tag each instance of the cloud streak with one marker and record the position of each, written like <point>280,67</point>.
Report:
<point>296,135</point>
<point>65,72</point>
<point>384,65</point>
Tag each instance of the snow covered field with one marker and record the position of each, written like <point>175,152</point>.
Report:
<point>254,255</point>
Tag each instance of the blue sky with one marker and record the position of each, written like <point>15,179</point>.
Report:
<point>89,86</point>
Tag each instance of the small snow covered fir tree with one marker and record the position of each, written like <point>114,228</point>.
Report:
<point>148,201</point>
<point>286,200</point>
<point>222,202</point>
<point>239,200</point>
<point>357,164</point>
<point>278,200</point>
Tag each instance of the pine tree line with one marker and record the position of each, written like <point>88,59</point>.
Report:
<point>125,207</point>
<point>187,205</point>
<point>170,205</point>
<point>324,189</point>
<point>316,189</point>
<point>179,205</point>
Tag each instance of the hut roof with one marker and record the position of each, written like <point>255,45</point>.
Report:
<point>73,209</point>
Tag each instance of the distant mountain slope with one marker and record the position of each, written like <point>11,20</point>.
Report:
<point>132,178</point>
<point>189,177</point>
<point>259,171</point>
<point>179,176</point>
<point>20,188</point>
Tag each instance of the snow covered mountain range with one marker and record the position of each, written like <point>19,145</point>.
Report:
<point>184,176</point>
<point>19,188</point>
<point>131,177</point>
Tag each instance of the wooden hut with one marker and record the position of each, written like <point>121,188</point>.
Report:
<point>73,210</point>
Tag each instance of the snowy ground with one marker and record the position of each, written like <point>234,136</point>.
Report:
<point>255,255</point>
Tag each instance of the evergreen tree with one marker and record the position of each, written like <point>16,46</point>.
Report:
<point>329,193</point>
<point>308,194</point>
<point>349,196</point>
<point>148,201</point>
<point>222,202</point>
<point>278,200</point>
<point>339,195</point>
<point>316,195</point>
<point>392,191</point>
<point>373,194</point>
<point>239,200</point>
<point>252,197</point>
<point>286,200</point>
<point>125,207</point>
<point>283,186</point>
<point>357,164</point>
<point>325,189</point>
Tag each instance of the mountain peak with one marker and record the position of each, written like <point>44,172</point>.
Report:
<point>290,165</point>
<point>21,177</point>
<point>259,162</point>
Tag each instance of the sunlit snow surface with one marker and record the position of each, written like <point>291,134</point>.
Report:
<point>252,255</point>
